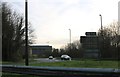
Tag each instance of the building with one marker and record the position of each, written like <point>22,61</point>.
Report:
<point>90,44</point>
<point>41,50</point>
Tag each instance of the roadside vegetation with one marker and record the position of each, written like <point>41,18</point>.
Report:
<point>73,63</point>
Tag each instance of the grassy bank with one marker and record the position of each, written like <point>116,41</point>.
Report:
<point>82,64</point>
<point>73,63</point>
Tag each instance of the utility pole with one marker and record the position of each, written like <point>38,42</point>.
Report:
<point>26,35</point>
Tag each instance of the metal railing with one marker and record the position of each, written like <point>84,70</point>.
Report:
<point>61,71</point>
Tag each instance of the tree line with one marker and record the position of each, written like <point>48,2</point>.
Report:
<point>110,47</point>
<point>74,50</point>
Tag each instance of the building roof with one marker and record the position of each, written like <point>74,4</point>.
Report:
<point>38,45</point>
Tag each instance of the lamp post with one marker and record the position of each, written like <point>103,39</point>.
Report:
<point>101,37</point>
<point>70,38</point>
<point>26,33</point>
<point>101,21</point>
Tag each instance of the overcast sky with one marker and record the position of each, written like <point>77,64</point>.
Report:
<point>52,19</point>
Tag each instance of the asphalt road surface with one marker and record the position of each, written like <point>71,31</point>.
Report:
<point>47,60</point>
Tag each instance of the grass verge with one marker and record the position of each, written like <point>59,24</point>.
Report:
<point>82,64</point>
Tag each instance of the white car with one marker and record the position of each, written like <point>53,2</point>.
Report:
<point>50,57</point>
<point>65,57</point>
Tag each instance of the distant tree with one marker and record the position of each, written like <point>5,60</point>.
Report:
<point>55,52</point>
<point>62,51</point>
<point>74,49</point>
<point>13,34</point>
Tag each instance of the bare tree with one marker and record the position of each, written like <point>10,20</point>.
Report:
<point>110,40</point>
<point>74,49</point>
<point>13,34</point>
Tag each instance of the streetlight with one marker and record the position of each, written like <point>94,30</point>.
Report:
<point>101,21</point>
<point>26,35</point>
<point>101,35</point>
<point>70,38</point>
<point>70,35</point>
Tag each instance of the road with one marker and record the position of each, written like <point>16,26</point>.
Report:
<point>47,60</point>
